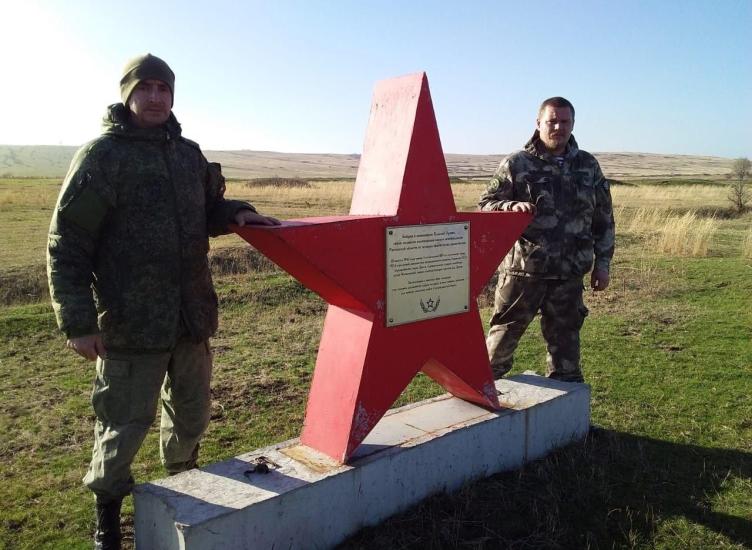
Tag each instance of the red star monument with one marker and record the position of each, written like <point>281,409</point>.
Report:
<point>367,264</point>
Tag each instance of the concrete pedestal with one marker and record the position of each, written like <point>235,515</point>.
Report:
<point>309,501</point>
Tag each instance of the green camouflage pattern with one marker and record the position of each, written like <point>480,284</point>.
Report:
<point>125,398</point>
<point>573,226</point>
<point>517,301</point>
<point>128,240</point>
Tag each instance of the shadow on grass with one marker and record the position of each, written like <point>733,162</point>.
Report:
<point>613,490</point>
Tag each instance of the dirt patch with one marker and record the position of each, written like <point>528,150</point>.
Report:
<point>233,394</point>
<point>23,285</point>
<point>671,348</point>
<point>235,261</point>
<point>277,295</point>
<point>278,182</point>
<point>630,331</point>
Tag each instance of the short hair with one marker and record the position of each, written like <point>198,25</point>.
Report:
<point>557,101</point>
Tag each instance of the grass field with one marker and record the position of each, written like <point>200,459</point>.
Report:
<point>667,351</point>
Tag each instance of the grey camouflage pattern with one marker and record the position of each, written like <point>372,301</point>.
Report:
<point>128,240</point>
<point>572,231</point>
<point>574,224</point>
<point>517,301</point>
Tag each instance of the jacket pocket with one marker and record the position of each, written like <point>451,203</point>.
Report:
<point>581,254</point>
<point>528,257</point>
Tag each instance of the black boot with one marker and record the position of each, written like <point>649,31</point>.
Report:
<point>107,535</point>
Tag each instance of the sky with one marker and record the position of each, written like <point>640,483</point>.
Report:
<point>657,76</point>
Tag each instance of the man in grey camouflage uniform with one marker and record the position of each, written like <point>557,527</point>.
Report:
<point>130,281</point>
<point>572,231</point>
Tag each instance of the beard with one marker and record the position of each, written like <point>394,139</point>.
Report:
<point>554,142</point>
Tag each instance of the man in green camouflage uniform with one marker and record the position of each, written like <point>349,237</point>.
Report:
<point>572,231</point>
<point>130,281</point>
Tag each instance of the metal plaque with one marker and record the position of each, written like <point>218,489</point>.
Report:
<point>427,271</point>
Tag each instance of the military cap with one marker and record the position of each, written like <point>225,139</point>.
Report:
<point>145,67</point>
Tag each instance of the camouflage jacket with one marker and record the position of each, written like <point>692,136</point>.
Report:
<point>574,220</point>
<point>128,241</point>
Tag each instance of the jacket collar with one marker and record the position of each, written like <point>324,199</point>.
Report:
<point>116,122</point>
<point>535,147</point>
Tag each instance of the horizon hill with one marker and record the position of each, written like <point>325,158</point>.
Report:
<point>52,161</point>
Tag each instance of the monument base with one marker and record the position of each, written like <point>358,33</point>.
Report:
<point>306,500</point>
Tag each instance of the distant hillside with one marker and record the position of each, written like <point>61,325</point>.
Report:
<point>35,160</point>
<point>53,161</point>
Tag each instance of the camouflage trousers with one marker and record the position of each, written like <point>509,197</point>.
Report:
<point>517,301</point>
<point>126,392</point>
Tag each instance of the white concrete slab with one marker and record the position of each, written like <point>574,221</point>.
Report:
<point>309,501</point>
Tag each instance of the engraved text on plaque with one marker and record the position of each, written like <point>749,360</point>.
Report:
<point>426,271</point>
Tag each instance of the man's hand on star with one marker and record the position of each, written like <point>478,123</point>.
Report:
<point>248,217</point>
<point>599,280</point>
<point>528,207</point>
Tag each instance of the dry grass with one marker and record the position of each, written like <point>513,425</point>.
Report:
<point>466,195</point>
<point>674,220</point>
<point>326,191</point>
<point>686,236</point>
<point>25,211</point>
<point>644,220</point>
<point>20,197</point>
<point>670,196</point>
<point>321,198</point>
<point>641,211</point>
